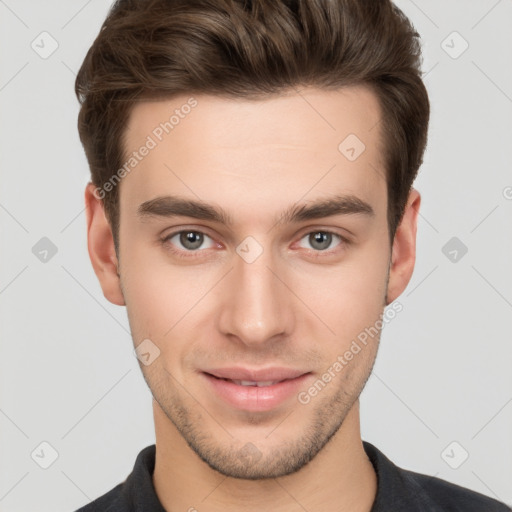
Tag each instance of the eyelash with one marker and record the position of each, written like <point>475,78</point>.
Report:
<point>183,253</point>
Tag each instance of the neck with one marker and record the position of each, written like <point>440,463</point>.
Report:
<point>340,478</point>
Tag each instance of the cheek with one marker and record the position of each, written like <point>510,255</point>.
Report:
<point>158,294</point>
<point>146,290</point>
<point>348,298</point>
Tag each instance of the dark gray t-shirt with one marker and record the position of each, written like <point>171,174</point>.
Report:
<point>398,490</point>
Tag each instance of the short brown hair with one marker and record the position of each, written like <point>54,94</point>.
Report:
<point>253,49</point>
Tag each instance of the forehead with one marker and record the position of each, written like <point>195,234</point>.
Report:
<point>300,144</point>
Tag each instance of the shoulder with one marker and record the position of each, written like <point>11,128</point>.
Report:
<point>112,501</point>
<point>451,497</point>
<point>400,490</point>
<point>135,494</point>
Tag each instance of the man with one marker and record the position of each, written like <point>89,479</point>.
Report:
<point>252,206</point>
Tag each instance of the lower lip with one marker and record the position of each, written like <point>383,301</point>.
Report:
<point>254,398</point>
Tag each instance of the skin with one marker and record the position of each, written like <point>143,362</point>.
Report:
<point>294,306</point>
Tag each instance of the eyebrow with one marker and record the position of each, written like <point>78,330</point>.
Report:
<point>174,206</point>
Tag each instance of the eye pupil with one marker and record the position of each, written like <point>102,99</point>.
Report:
<point>322,238</point>
<point>191,239</point>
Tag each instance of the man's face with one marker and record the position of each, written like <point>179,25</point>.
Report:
<point>263,292</point>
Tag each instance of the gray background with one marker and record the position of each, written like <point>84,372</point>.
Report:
<point>68,374</point>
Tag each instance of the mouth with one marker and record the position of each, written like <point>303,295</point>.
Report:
<point>265,392</point>
<point>260,384</point>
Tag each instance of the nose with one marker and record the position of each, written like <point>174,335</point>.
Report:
<point>256,305</point>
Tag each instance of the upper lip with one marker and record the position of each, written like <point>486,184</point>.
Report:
<point>255,375</point>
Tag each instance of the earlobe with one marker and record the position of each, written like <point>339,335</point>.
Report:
<point>403,255</point>
<point>100,244</point>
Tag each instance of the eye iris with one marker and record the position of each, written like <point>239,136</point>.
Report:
<point>191,239</point>
<point>324,239</point>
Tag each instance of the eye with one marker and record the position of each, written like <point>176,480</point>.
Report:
<point>321,240</point>
<point>189,240</point>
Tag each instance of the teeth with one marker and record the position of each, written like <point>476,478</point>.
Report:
<point>260,384</point>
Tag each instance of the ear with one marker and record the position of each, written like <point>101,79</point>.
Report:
<point>100,244</point>
<point>403,256</point>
